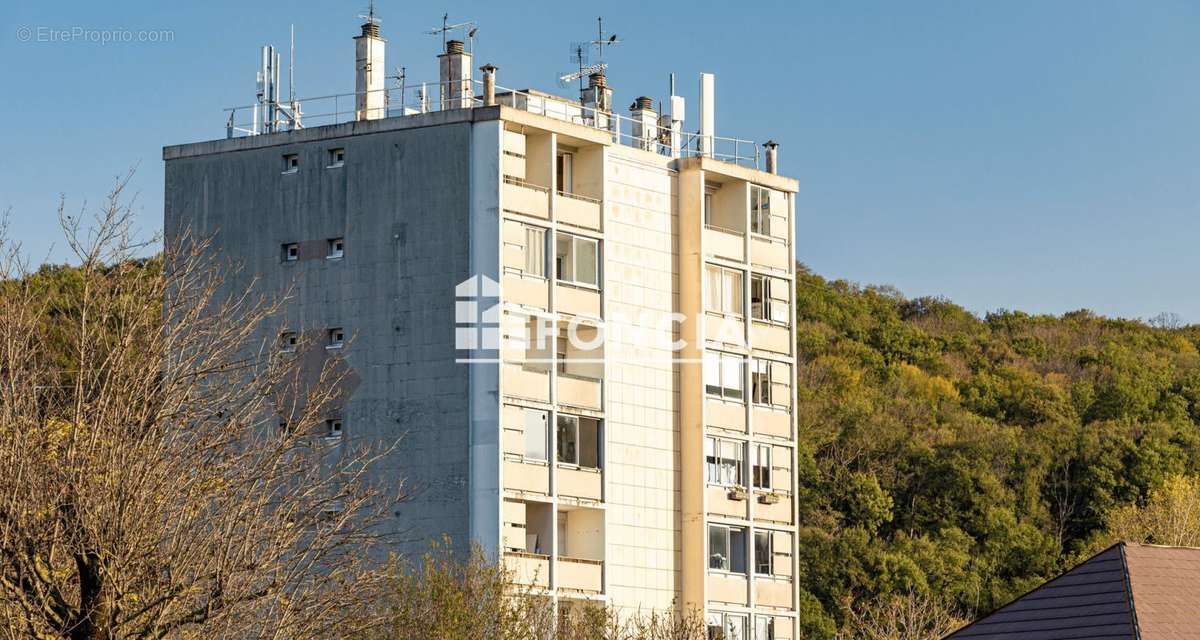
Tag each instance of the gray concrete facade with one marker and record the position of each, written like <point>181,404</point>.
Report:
<point>414,206</point>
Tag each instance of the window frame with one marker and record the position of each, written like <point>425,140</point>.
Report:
<point>577,439</point>
<point>288,341</point>
<point>533,230</point>
<point>336,249</point>
<point>291,163</point>
<point>334,160</point>
<point>574,253</point>
<point>760,474</point>
<point>723,360</point>
<point>768,535</point>
<point>717,302</point>
<point>760,211</point>
<point>334,428</point>
<point>291,251</point>
<point>729,548</point>
<point>767,632</point>
<point>768,305</point>
<point>337,338</point>
<point>545,426</point>
<point>715,465</point>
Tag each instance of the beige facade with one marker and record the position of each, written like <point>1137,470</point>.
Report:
<point>654,471</point>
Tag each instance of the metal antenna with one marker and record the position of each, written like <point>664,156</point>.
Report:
<point>601,41</point>
<point>401,78</point>
<point>292,66</point>
<point>370,17</point>
<point>447,28</point>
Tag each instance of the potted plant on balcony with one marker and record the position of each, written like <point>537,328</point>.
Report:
<point>769,498</point>
<point>737,493</point>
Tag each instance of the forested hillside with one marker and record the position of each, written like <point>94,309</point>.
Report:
<point>967,459</point>
<point>950,460</point>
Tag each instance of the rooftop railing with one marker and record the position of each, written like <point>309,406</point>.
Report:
<point>428,97</point>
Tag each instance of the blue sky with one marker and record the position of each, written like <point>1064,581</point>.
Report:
<point>1042,156</point>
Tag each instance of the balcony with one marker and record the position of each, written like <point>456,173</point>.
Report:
<point>577,210</point>
<point>770,592</point>
<point>727,330</point>
<point>724,243</point>
<point>580,482</point>
<point>773,254</point>
<point>724,414</point>
<point>778,512</point>
<point>773,422</point>
<point>527,383</point>
<point>525,198</point>
<point>577,391</point>
<point>580,574</point>
<point>771,337</point>
<point>528,291</point>
<point>720,504</point>
<point>577,300</point>
<point>528,568</point>
<point>727,588</point>
<point>513,165</point>
<point>527,477</point>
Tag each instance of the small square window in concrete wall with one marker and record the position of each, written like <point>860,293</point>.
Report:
<point>287,341</point>
<point>291,252</point>
<point>337,158</point>
<point>291,162</point>
<point>333,428</point>
<point>337,338</point>
<point>337,248</point>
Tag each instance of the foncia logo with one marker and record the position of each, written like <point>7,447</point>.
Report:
<point>477,314</point>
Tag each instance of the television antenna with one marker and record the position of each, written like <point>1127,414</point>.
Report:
<point>470,26</point>
<point>401,77</point>
<point>370,15</point>
<point>579,55</point>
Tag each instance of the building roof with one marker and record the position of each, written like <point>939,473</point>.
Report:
<point>1128,591</point>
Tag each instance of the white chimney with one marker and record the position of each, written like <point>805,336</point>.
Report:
<point>772,160</point>
<point>597,100</point>
<point>645,123</point>
<point>370,101</point>
<point>489,84</point>
<point>455,76</point>
<point>707,113</point>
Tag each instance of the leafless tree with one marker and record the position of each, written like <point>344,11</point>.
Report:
<point>908,616</point>
<point>147,489</point>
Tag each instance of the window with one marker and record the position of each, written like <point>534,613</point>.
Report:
<point>760,474</point>
<point>770,299</point>
<point>333,428</point>
<point>579,441</point>
<point>337,158</point>
<point>760,210</point>
<point>291,252</point>
<point>727,548</point>
<point>576,259</point>
<point>535,434</point>
<point>764,628</point>
<point>291,163</point>
<point>770,383</point>
<point>287,341</point>
<point>763,553</point>
<point>723,375</point>
<point>337,248</point>
<point>535,251</point>
<point>724,460</point>
<point>708,209</point>
<point>725,626</point>
<point>337,338</point>
<point>564,173</point>
<point>724,290</point>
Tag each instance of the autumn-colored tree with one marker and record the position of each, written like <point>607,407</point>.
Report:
<point>146,489</point>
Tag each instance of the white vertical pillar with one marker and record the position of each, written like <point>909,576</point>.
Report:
<point>707,113</point>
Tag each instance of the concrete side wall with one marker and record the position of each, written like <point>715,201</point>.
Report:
<point>401,205</point>
<point>641,286</point>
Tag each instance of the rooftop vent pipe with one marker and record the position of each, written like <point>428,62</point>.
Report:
<point>489,84</point>
<point>645,123</point>
<point>772,164</point>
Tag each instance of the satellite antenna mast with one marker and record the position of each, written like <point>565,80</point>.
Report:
<point>580,57</point>
<point>401,78</point>
<point>447,28</point>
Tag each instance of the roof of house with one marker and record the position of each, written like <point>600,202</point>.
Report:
<point>1128,591</point>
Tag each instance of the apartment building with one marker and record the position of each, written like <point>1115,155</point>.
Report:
<point>577,322</point>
